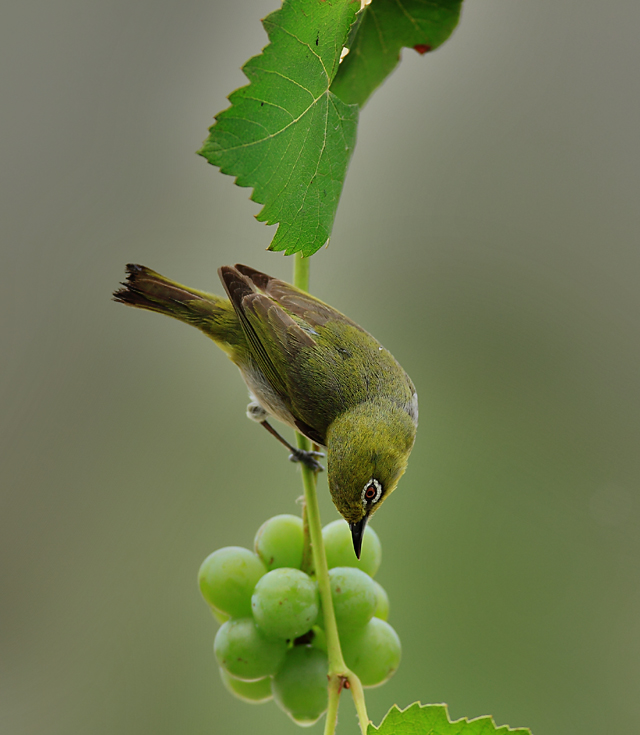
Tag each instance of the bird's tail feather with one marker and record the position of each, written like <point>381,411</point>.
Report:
<point>147,289</point>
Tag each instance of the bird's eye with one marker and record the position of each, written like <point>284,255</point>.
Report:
<point>372,492</point>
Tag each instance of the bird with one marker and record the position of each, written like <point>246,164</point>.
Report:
<point>309,366</point>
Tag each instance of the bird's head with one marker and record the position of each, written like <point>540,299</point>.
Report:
<point>367,452</point>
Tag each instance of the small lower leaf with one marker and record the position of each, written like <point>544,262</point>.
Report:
<point>433,719</point>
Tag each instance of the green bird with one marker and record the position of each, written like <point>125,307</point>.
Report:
<point>309,366</point>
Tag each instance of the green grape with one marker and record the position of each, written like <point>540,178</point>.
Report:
<point>382,602</point>
<point>227,578</point>
<point>254,692</point>
<point>300,686</point>
<point>279,542</point>
<point>373,652</point>
<point>285,603</point>
<point>245,653</point>
<point>354,597</point>
<point>339,547</point>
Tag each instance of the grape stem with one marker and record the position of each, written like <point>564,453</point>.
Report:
<point>339,675</point>
<point>307,554</point>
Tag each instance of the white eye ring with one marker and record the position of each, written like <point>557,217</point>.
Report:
<point>378,488</point>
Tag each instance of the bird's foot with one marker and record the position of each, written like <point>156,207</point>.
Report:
<point>308,458</point>
<point>255,412</point>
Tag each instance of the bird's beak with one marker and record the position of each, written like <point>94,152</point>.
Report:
<point>357,534</point>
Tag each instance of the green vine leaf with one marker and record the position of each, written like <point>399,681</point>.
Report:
<point>286,134</point>
<point>433,719</point>
<point>386,27</point>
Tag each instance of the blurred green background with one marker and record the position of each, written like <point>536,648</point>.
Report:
<point>487,235</point>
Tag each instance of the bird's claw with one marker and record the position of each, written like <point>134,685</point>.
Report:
<point>308,458</point>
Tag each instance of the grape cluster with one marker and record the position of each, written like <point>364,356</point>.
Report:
<point>271,643</point>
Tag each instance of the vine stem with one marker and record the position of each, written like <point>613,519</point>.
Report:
<point>339,675</point>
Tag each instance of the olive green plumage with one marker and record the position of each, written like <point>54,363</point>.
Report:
<point>309,366</point>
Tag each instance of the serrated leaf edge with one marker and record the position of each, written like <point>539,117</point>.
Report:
<point>445,707</point>
<point>208,149</point>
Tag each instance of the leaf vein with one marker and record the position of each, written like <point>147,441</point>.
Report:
<point>379,31</point>
<point>408,15</point>
<point>278,132</point>
<point>294,165</point>
<point>314,53</point>
<point>271,104</point>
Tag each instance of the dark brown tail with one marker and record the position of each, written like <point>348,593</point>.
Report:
<point>147,289</point>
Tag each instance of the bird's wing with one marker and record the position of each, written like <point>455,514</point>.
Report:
<point>299,344</point>
<point>274,337</point>
<point>301,304</point>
